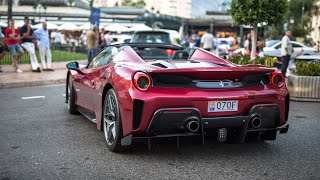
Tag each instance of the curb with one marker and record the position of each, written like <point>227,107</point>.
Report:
<point>27,67</point>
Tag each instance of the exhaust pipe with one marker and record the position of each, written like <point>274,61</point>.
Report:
<point>193,124</point>
<point>256,121</point>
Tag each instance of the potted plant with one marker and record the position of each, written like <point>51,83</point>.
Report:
<point>305,84</point>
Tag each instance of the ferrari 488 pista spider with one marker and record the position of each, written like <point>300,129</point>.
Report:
<point>153,90</point>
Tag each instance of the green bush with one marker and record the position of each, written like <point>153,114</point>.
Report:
<point>241,59</point>
<point>308,69</point>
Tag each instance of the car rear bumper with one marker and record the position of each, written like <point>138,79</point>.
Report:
<point>170,122</point>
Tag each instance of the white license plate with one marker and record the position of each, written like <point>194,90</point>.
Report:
<point>222,106</point>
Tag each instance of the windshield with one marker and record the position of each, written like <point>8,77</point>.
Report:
<point>150,37</point>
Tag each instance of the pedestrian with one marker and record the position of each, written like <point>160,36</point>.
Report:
<point>198,40</point>
<point>26,42</point>
<point>247,44</point>
<point>291,65</point>
<point>108,38</point>
<point>92,43</point>
<point>102,41</point>
<point>2,47</point>
<point>286,50</point>
<point>216,44</point>
<point>42,35</point>
<point>207,41</point>
<point>13,37</point>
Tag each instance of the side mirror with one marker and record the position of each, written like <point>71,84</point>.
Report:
<point>73,65</point>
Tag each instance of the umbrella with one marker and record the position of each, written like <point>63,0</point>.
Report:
<point>50,25</point>
<point>85,26</point>
<point>140,27</point>
<point>68,26</point>
<point>116,28</point>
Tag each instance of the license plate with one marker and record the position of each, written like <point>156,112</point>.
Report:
<point>222,106</point>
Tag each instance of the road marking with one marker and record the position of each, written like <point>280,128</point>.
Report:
<point>64,95</point>
<point>33,97</point>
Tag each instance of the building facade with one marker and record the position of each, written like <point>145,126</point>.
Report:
<point>179,8</point>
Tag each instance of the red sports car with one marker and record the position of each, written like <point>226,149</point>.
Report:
<point>155,90</point>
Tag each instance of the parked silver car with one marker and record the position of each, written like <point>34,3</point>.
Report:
<point>275,50</point>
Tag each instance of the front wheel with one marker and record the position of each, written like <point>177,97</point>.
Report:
<point>112,127</point>
<point>72,108</point>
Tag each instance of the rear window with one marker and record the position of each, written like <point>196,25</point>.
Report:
<point>150,37</point>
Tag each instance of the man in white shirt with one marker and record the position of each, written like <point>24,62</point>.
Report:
<point>42,36</point>
<point>286,50</point>
<point>207,41</point>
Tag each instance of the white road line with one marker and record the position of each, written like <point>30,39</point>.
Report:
<point>33,97</point>
<point>64,95</point>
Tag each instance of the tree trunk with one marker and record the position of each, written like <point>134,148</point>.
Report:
<point>254,34</point>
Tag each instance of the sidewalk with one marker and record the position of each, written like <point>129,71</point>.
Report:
<point>11,79</point>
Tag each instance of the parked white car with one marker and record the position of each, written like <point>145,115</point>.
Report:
<point>275,50</point>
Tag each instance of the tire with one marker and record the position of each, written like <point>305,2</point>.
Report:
<point>112,126</point>
<point>72,108</point>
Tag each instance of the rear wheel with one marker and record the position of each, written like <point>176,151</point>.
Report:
<point>72,108</point>
<point>112,126</point>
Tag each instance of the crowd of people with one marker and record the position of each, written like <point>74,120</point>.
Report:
<point>16,38</point>
<point>211,42</point>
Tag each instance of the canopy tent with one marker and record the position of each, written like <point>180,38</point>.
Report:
<point>140,27</point>
<point>50,26</point>
<point>18,24</point>
<point>68,26</point>
<point>85,26</point>
<point>116,28</point>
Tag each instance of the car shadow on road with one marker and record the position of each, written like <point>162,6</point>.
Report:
<point>193,146</point>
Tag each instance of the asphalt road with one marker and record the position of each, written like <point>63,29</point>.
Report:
<point>40,140</point>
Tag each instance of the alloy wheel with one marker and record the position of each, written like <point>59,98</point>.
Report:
<point>110,120</point>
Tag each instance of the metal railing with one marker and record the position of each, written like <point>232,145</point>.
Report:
<point>59,54</point>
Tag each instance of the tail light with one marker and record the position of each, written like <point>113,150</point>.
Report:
<point>277,79</point>
<point>141,81</point>
<point>169,52</point>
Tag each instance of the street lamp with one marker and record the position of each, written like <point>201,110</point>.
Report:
<point>91,7</point>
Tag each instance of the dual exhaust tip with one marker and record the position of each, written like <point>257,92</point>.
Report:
<point>192,124</point>
<point>255,121</point>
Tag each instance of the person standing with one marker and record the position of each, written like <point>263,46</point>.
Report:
<point>26,38</point>
<point>108,38</point>
<point>42,35</point>
<point>102,41</point>
<point>92,43</point>
<point>286,50</point>
<point>2,47</point>
<point>247,44</point>
<point>207,41</point>
<point>13,37</point>
<point>216,44</point>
